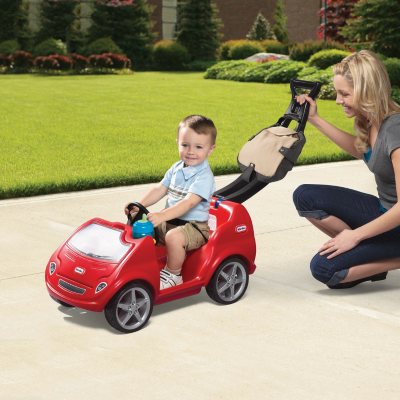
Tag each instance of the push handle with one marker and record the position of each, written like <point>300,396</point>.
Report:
<point>313,87</point>
<point>295,111</point>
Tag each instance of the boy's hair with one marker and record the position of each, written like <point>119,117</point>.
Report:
<point>200,124</point>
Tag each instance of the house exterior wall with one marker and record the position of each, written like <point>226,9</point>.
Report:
<point>237,16</point>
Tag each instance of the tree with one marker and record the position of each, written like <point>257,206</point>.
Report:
<point>376,22</point>
<point>280,26</point>
<point>128,24</point>
<point>334,15</point>
<point>56,20</point>
<point>261,29</point>
<point>14,22</point>
<point>198,28</point>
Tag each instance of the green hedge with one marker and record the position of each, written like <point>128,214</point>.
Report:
<point>325,58</point>
<point>246,71</point>
<point>50,46</point>
<point>393,68</point>
<point>170,55</point>
<point>304,50</point>
<point>240,49</point>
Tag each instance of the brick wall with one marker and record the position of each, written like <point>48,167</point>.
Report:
<point>238,16</point>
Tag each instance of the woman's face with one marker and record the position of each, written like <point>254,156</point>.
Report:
<point>344,95</point>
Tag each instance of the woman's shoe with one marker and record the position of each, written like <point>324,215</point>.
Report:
<point>348,285</point>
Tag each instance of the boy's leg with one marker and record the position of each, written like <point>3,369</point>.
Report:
<point>179,240</point>
<point>175,240</point>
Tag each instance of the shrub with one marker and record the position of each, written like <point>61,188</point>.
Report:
<point>282,71</point>
<point>273,46</point>
<point>396,94</point>
<point>303,51</point>
<point>50,46</point>
<point>324,76</point>
<point>244,49</point>
<point>100,61</point>
<point>327,92</point>
<point>79,62</point>
<point>103,45</point>
<point>21,61</point>
<point>224,50</point>
<point>5,61</point>
<point>239,49</point>
<point>9,47</point>
<point>54,62</point>
<point>119,61</point>
<point>393,68</point>
<point>326,58</point>
<point>198,65</point>
<point>170,55</point>
<point>258,73</point>
<point>231,70</point>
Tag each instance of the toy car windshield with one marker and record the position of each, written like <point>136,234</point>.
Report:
<point>100,242</point>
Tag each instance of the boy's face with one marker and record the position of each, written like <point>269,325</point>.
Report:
<point>193,147</point>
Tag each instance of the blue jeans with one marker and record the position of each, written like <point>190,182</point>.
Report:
<point>355,209</point>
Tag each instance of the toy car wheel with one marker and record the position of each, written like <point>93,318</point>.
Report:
<point>62,302</point>
<point>229,281</point>
<point>130,309</point>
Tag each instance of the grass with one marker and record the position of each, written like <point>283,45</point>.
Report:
<point>79,132</point>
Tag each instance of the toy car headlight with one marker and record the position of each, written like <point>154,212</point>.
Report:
<point>52,267</point>
<point>100,287</point>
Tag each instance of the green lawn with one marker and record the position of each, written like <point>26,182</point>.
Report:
<point>80,132</point>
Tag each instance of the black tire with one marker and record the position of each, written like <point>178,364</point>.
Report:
<point>130,309</point>
<point>62,303</point>
<point>229,282</point>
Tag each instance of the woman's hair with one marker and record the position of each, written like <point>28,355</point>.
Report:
<point>201,125</point>
<point>371,92</point>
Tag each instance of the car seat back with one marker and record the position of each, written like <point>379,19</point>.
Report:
<point>272,152</point>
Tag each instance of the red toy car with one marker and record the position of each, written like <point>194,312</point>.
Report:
<point>101,267</point>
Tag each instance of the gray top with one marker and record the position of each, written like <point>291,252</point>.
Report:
<point>380,163</point>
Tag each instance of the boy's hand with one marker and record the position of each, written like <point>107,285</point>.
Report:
<point>156,218</point>
<point>132,212</point>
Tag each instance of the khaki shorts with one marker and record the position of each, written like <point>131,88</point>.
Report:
<point>193,238</point>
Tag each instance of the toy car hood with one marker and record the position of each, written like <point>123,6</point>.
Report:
<point>91,253</point>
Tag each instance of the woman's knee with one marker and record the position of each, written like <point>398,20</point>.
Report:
<point>321,268</point>
<point>306,199</point>
<point>326,271</point>
<point>302,196</point>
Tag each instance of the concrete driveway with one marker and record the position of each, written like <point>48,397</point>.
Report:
<point>288,338</point>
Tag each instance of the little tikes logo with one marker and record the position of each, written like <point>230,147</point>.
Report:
<point>80,270</point>
<point>241,228</point>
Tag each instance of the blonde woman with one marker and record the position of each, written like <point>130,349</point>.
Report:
<point>364,229</point>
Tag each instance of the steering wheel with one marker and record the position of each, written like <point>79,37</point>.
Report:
<point>138,216</point>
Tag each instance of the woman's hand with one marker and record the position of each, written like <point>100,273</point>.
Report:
<point>344,241</point>
<point>313,105</point>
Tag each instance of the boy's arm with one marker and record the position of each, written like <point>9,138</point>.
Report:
<point>180,208</point>
<point>151,197</point>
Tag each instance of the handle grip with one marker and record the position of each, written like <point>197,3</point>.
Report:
<point>141,208</point>
<point>313,87</point>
